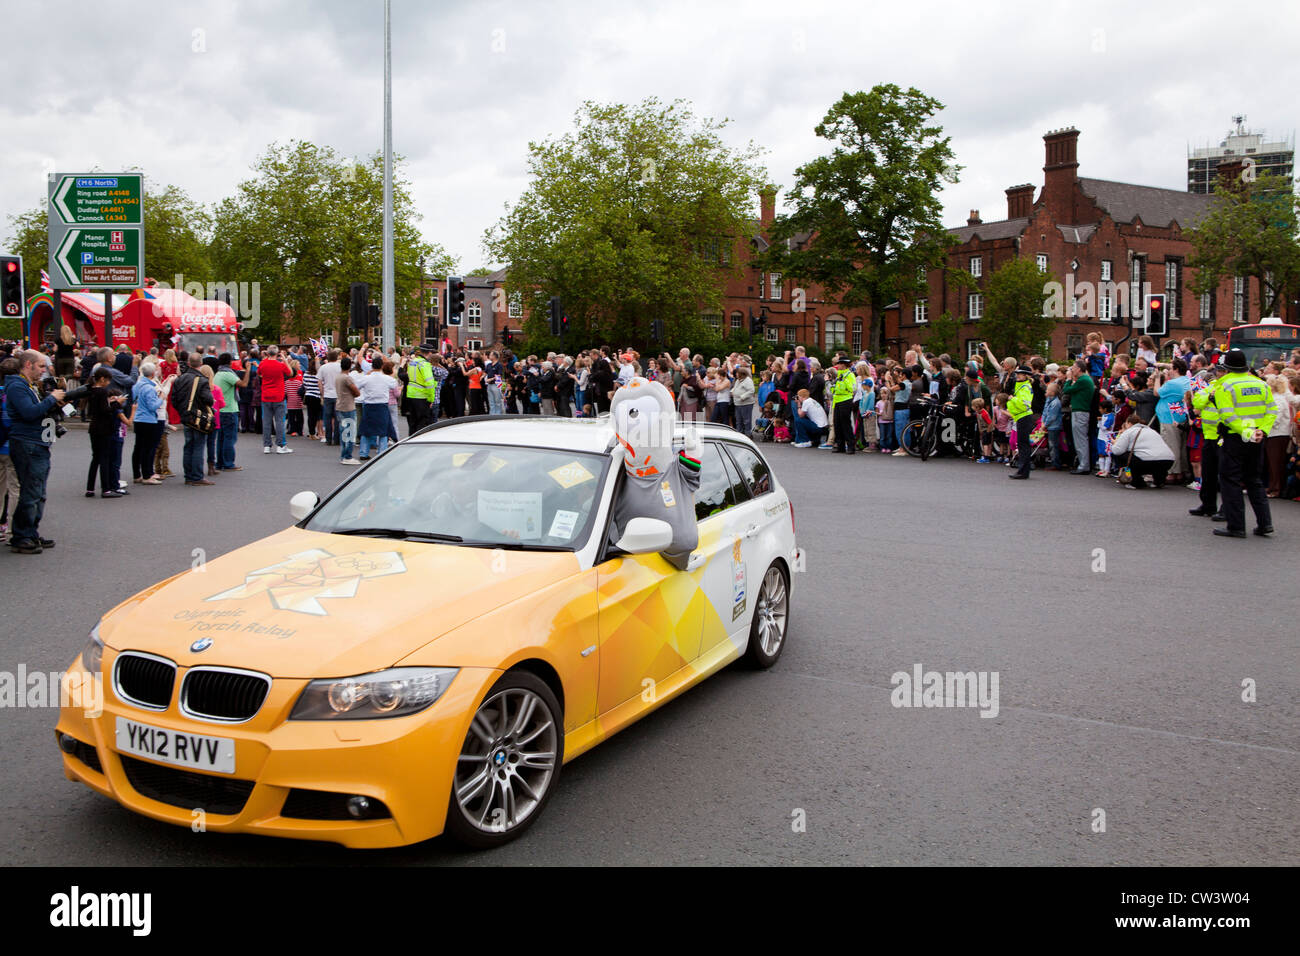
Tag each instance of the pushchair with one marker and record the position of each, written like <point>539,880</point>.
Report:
<point>1040,452</point>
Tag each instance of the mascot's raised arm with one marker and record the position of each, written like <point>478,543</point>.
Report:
<point>659,483</point>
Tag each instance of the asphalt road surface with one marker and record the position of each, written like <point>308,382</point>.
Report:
<point>1119,690</point>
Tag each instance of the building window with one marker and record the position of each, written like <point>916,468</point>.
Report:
<point>857,335</point>
<point>973,349</point>
<point>817,331</point>
<point>789,334</point>
<point>1207,309</point>
<point>921,311</point>
<point>737,322</point>
<point>474,344</point>
<point>1074,307</point>
<point>977,266</point>
<point>713,321</point>
<point>775,285</point>
<point>1106,266</point>
<point>1074,346</point>
<point>1104,308</point>
<point>474,315</point>
<point>1173,279</point>
<point>771,334</point>
<point>1041,260</point>
<point>762,284</point>
<point>431,305</point>
<point>1136,271</point>
<point>516,306</point>
<point>1238,299</point>
<point>834,333</point>
<point>976,306</point>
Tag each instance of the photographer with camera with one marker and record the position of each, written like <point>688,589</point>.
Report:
<point>31,431</point>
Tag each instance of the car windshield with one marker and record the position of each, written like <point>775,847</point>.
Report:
<point>475,495</point>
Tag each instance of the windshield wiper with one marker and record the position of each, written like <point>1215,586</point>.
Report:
<point>400,533</point>
<point>517,546</point>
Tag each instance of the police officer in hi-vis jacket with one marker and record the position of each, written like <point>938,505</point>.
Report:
<point>1246,413</point>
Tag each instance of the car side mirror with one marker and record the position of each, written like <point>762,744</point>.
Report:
<point>645,536</point>
<point>302,504</point>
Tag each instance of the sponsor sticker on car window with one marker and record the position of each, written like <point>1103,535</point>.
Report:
<point>566,476</point>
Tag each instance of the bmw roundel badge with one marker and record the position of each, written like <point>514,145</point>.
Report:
<point>202,644</point>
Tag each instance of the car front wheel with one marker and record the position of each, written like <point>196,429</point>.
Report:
<point>771,619</point>
<point>509,762</point>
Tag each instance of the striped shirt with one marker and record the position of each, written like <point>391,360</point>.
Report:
<point>313,385</point>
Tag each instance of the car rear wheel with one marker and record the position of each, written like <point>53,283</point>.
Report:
<point>509,762</point>
<point>771,619</point>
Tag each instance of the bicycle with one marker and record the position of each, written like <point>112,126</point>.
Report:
<point>921,437</point>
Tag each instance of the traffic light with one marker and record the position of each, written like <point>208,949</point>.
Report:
<point>508,338</point>
<point>757,322</point>
<point>557,316</point>
<point>1157,320</point>
<point>657,330</point>
<point>455,299</point>
<point>12,301</point>
<point>372,316</point>
<point>357,312</point>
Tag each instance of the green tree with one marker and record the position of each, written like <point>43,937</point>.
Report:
<point>630,217</point>
<point>1015,318</point>
<point>1251,231</point>
<point>176,235</point>
<point>943,335</point>
<point>306,225</point>
<point>871,207</point>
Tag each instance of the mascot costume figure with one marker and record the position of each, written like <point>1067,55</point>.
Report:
<point>659,483</point>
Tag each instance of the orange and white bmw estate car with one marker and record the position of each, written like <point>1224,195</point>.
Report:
<point>424,649</point>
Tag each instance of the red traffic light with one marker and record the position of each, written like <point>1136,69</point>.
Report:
<point>11,266</point>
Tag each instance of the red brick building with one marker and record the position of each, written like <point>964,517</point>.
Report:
<point>1104,242</point>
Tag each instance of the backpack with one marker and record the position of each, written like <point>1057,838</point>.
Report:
<point>200,419</point>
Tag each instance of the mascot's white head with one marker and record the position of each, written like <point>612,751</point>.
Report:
<point>644,418</point>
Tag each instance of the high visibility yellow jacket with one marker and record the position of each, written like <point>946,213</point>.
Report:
<point>420,383</point>
<point>1203,403</point>
<point>846,384</point>
<point>1245,403</point>
<point>1021,402</point>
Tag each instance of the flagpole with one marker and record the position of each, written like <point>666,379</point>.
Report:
<point>389,325</point>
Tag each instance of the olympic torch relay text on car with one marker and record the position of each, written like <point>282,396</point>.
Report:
<point>521,626</point>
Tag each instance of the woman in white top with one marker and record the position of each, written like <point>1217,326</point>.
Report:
<point>1141,448</point>
<point>721,410</point>
<point>375,418</point>
<point>1279,436</point>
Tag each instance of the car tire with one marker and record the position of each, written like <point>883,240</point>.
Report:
<point>771,621</point>
<point>509,763</point>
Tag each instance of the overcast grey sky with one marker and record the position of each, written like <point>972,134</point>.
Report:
<point>193,92</point>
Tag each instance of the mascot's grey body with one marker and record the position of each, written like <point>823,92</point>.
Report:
<point>658,482</point>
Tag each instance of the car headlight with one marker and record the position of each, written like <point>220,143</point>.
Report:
<point>92,655</point>
<point>391,693</point>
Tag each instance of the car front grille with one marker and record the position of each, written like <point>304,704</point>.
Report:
<point>146,681</point>
<point>182,788</point>
<point>219,694</point>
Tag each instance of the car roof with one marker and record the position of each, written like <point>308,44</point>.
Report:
<point>570,434</point>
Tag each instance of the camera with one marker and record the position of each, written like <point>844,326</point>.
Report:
<point>48,385</point>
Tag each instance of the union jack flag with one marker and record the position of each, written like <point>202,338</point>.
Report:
<point>45,282</point>
<point>1177,408</point>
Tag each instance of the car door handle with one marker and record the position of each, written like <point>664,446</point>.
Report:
<point>751,531</point>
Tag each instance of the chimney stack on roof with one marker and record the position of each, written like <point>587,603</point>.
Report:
<point>974,219</point>
<point>1020,200</point>
<point>767,197</point>
<point>1060,173</point>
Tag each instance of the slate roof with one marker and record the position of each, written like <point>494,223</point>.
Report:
<point>1001,229</point>
<point>1154,206</point>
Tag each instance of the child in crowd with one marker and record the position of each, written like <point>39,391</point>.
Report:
<point>868,434</point>
<point>1105,437</point>
<point>984,422</point>
<point>1004,428</point>
<point>1097,354</point>
<point>1052,423</point>
<point>885,420</point>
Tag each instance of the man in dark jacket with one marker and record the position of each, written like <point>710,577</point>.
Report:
<point>31,431</point>
<point>192,383</point>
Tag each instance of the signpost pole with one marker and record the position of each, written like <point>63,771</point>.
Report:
<point>108,319</point>
<point>58,318</point>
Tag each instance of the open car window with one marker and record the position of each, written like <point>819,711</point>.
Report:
<point>486,495</point>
